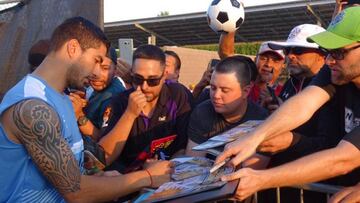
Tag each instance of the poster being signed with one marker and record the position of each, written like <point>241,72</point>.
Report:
<point>191,175</point>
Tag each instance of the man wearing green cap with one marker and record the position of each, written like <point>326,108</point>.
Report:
<point>339,82</point>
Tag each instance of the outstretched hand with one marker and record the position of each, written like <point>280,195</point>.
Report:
<point>279,143</point>
<point>241,149</point>
<point>250,182</point>
<point>347,195</point>
<point>159,171</point>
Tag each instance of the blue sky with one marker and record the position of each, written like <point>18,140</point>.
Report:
<point>118,10</point>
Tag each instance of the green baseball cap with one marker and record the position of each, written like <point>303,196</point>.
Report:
<point>343,30</point>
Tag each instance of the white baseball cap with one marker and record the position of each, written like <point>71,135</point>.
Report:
<point>298,36</point>
<point>264,47</point>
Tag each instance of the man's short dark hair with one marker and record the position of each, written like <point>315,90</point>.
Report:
<point>243,67</point>
<point>149,52</point>
<point>177,58</point>
<point>112,55</point>
<point>85,32</point>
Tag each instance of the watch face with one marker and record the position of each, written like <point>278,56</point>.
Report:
<point>82,120</point>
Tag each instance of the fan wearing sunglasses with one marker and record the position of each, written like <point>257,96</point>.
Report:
<point>338,81</point>
<point>304,60</point>
<point>149,120</point>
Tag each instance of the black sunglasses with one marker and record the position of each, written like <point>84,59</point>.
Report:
<point>339,54</point>
<point>298,50</point>
<point>152,82</point>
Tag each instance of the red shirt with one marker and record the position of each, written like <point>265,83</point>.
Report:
<point>255,92</point>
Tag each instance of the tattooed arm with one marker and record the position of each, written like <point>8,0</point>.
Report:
<point>36,125</point>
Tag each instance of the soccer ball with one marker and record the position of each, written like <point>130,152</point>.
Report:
<point>225,15</point>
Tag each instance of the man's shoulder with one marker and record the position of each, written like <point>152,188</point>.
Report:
<point>116,86</point>
<point>176,87</point>
<point>122,96</point>
<point>25,112</point>
<point>29,88</point>
<point>205,110</point>
<point>323,77</point>
<point>178,92</point>
<point>256,112</point>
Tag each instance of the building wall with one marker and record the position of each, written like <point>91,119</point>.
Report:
<point>193,63</point>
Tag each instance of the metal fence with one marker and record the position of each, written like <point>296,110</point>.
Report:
<point>315,187</point>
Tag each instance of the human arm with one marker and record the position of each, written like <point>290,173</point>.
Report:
<point>112,187</point>
<point>347,195</point>
<point>290,115</point>
<point>315,167</point>
<point>204,81</point>
<point>34,124</point>
<point>322,131</point>
<point>226,45</point>
<point>269,100</point>
<point>339,6</point>
<point>279,143</point>
<point>190,152</point>
<point>88,129</point>
<point>114,141</point>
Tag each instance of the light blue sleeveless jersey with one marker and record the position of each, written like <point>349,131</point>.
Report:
<point>20,179</point>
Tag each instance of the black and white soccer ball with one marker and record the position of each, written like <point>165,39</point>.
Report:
<point>225,15</point>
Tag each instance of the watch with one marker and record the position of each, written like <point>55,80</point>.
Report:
<point>82,120</point>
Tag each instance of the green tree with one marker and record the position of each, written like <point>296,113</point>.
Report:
<point>163,13</point>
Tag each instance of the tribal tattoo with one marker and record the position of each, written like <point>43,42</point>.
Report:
<point>38,129</point>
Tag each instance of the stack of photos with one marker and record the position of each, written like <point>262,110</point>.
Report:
<point>228,136</point>
<point>191,175</point>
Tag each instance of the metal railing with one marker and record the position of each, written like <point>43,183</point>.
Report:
<point>315,187</point>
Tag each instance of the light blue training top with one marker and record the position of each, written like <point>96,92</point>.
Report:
<point>20,179</point>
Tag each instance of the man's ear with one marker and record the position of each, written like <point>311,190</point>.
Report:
<point>321,58</point>
<point>247,88</point>
<point>166,73</point>
<point>177,72</point>
<point>73,48</point>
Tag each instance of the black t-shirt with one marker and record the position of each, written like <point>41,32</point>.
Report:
<point>348,98</point>
<point>291,88</point>
<point>204,95</point>
<point>206,123</point>
<point>162,134</point>
<point>322,131</point>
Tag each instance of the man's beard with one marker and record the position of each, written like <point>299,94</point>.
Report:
<point>298,71</point>
<point>74,79</point>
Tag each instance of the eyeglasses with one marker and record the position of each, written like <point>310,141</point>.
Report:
<point>339,54</point>
<point>298,50</point>
<point>152,82</point>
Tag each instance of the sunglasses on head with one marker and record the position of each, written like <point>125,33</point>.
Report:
<point>139,80</point>
<point>297,50</point>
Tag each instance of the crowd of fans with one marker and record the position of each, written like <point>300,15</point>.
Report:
<point>134,118</point>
